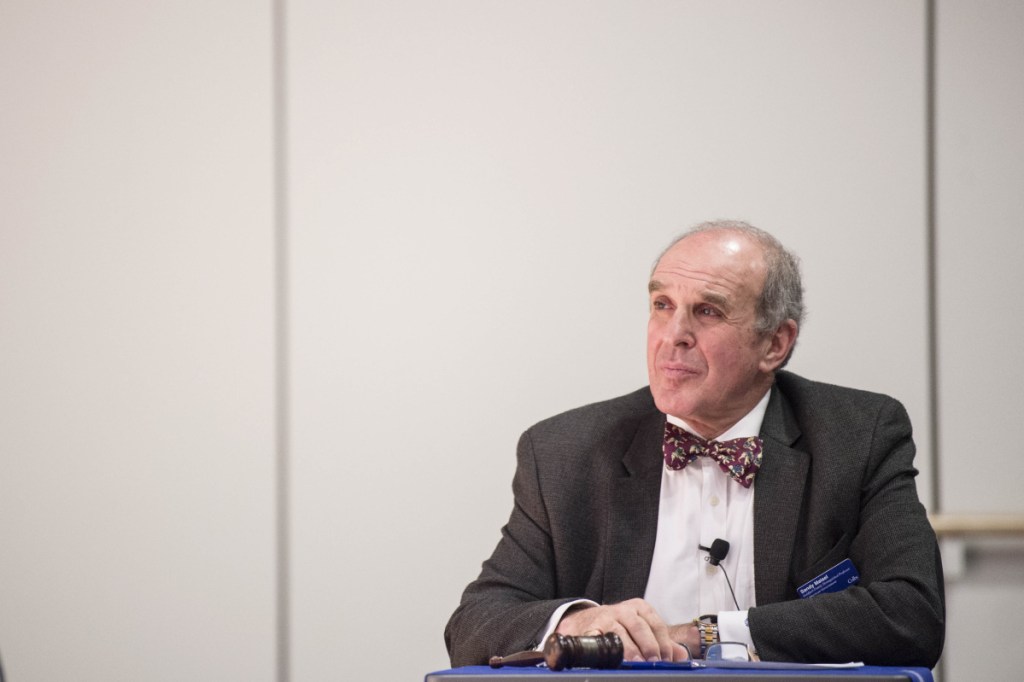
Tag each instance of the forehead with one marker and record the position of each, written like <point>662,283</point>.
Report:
<point>719,262</point>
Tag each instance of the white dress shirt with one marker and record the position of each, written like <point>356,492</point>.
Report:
<point>698,505</point>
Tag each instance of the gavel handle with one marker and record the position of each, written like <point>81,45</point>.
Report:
<point>521,659</point>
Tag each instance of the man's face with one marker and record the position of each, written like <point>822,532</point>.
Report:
<point>706,363</point>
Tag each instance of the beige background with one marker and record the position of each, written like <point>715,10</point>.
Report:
<point>433,222</point>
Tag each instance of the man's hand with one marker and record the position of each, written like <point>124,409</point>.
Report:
<point>687,634</point>
<point>645,636</point>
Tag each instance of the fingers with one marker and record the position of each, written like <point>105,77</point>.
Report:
<point>687,635</point>
<point>650,634</point>
<point>645,636</point>
<point>679,653</point>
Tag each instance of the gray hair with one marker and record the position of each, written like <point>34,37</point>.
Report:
<point>782,297</point>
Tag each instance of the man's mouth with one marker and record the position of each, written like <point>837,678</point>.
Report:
<point>678,371</point>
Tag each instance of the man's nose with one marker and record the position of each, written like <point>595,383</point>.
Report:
<point>680,329</point>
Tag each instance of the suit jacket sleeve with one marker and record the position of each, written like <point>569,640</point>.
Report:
<point>504,609</point>
<point>895,615</point>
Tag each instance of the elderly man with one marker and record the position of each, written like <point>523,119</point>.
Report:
<point>618,504</point>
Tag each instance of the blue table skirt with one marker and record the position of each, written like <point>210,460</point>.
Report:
<point>665,673</point>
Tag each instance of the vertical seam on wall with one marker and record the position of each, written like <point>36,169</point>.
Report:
<point>931,248</point>
<point>282,602</point>
<point>932,255</point>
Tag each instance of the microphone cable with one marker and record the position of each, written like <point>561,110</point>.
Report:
<point>716,553</point>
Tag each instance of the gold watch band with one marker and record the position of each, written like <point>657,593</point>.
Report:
<point>707,626</point>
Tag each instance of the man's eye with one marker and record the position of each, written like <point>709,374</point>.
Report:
<point>707,311</point>
<point>660,305</point>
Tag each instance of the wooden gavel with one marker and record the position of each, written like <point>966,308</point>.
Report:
<point>562,651</point>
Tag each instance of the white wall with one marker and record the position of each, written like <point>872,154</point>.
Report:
<point>136,328</point>
<point>476,192</point>
<point>980,101</point>
<point>480,190</point>
<point>980,219</point>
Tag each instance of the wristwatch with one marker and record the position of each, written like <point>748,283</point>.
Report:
<point>708,628</point>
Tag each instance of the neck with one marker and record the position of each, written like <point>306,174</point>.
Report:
<point>710,429</point>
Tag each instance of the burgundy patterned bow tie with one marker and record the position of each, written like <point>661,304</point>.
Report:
<point>739,457</point>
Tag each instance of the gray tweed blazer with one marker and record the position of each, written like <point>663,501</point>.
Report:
<point>836,482</point>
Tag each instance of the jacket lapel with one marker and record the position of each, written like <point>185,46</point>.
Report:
<point>633,514</point>
<point>778,498</point>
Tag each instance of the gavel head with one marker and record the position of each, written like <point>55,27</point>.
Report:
<point>602,651</point>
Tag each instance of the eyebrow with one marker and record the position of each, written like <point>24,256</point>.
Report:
<point>716,299</point>
<point>711,297</point>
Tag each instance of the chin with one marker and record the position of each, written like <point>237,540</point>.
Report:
<point>671,405</point>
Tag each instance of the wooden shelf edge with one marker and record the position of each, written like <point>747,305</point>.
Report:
<point>977,524</point>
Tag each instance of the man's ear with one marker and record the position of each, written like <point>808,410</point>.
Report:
<point>780,345</point>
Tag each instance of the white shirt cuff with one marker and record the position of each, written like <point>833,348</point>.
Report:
<point>555,618</point>
<point>733,627</point>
